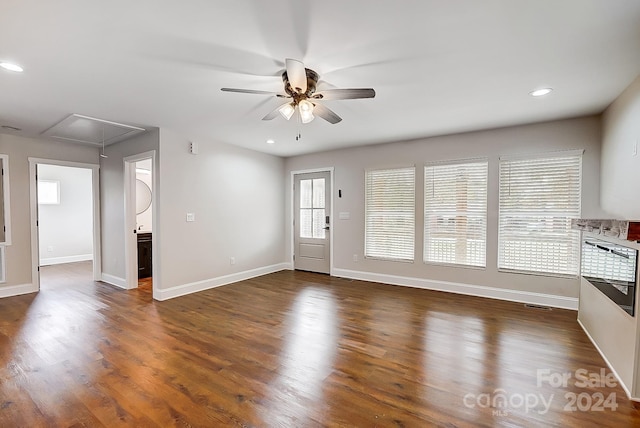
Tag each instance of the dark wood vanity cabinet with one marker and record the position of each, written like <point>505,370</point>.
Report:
<point>144,255</point>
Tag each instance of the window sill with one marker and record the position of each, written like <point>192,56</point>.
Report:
<point>382,259</point>
<point>455,265</point>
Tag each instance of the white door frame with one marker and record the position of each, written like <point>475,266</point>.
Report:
<point>33,193</point>
<point>293,213</point>
<point>130,238</point>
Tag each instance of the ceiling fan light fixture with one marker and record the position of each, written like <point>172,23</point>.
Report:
<point>300,85</point>
<point>287,110</point>
<point>306,116</point>
<point>306,111</point>
<point>305,106</point>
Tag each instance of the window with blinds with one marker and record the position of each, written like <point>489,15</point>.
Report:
<point>390,214</point>
<point>455,213</point>
<point>538,198</point>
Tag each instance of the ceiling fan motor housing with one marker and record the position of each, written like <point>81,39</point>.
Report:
<point>312,81</point>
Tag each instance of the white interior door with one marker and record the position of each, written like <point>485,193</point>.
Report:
<point>312,206</point>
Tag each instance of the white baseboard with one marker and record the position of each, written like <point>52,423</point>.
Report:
<point>16,290</point>
<point>468,289</point>
<point>613,370</point>
<point>114,280</point>
<point>67,259</point>
<point>194,287</point>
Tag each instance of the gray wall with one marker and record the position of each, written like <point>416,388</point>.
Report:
<point>19,149</point>
<point>582,133</point>
<point>238,201</point>
<point>620,167</point>
<point>66,230</point>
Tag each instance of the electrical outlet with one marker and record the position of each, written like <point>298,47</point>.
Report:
<point>232,261</point>
<point>355,257</point>
<point>191,217</point>
<point>50,249</point>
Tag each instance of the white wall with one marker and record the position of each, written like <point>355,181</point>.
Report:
<point>66,230</point>
<point>620,166</point>
<point>145,219</point>
<point>19,149</point>
<point>582,133</point>
<point>112,201</point>
<point>237,197</point>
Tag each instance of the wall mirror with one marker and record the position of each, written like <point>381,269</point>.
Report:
<point>143,196</point>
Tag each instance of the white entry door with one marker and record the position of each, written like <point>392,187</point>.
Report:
<point>312,205</point>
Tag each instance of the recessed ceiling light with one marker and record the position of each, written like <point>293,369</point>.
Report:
<point>270,141</point>
<point>540,92</point>
<point>11,67</point>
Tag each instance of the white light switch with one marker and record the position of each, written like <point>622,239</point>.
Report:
<point>344,215</point>
<point>191,217</point>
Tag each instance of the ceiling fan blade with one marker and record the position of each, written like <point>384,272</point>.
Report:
<point>274,113</point>
<point>297,75</point>
<point>344,94</point>
<point>253,91</point>
<point>325,113</point>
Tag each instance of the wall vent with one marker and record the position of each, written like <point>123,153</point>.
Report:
<point>530,306</point>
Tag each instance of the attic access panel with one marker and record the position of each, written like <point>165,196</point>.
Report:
<point>89,130</point>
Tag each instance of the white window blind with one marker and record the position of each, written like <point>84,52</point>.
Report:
<point>455,213</point>
<point>538,198</point>
<point>390,214</point>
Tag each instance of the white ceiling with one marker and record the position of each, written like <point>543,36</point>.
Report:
<point>438,67</point>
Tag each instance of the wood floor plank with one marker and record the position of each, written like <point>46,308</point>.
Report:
<point>290,349</point>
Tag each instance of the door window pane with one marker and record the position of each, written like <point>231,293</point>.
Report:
<point>318,193</point>
<point>318,223</point>
<point>306,229</point>
<point>312,208</point>
<point>306,194</point>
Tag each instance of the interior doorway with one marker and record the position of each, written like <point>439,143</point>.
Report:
<point>65,216</point>
<point>140,222</point>
<point>312,213</point>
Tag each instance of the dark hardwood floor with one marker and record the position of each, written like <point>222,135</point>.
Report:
<point>291,349</point>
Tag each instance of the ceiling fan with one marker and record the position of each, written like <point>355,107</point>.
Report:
<point>300,87</point>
